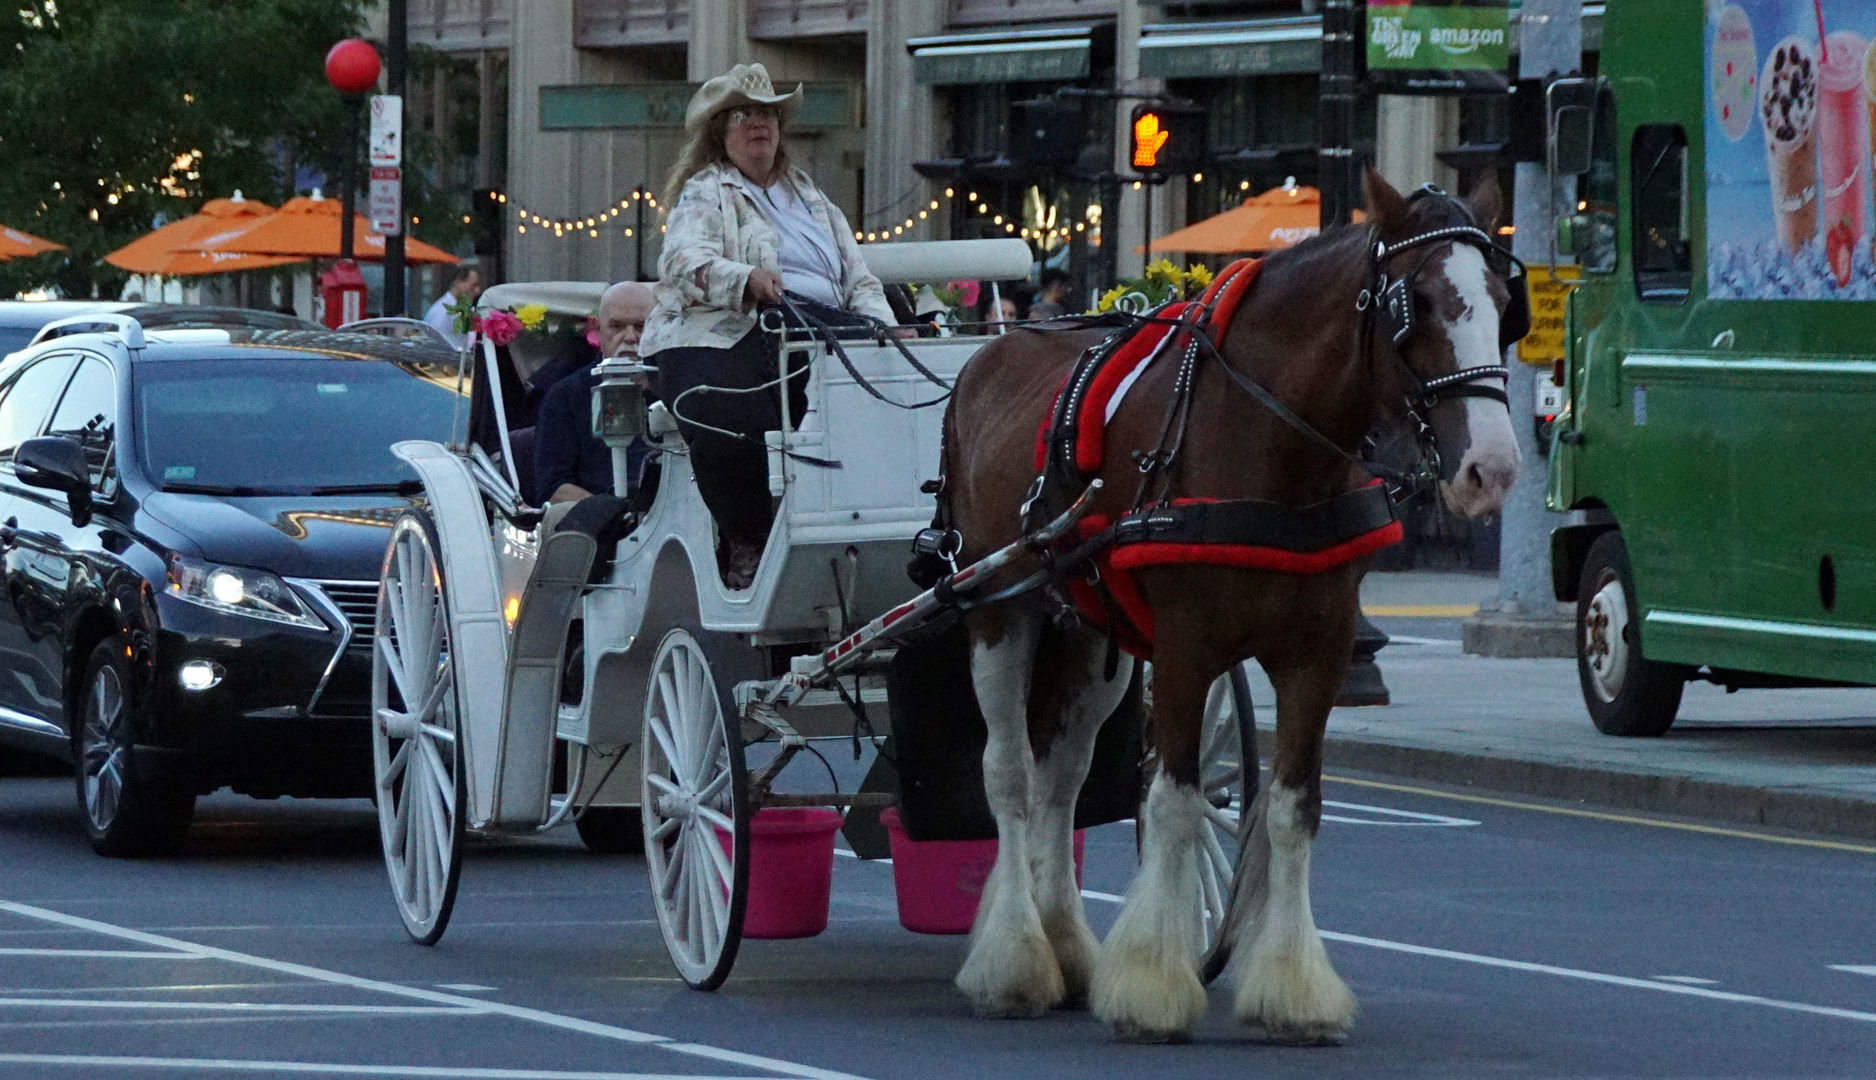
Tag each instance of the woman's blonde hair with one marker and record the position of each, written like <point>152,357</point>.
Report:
<point>706,147</point>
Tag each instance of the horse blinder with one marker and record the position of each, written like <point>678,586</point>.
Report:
<point>1515,323</point>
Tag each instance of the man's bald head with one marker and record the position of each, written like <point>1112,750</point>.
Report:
<point>622,314</point>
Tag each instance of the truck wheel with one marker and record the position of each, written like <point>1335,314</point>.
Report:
<point>1628,694</point>
<point>126,811</point>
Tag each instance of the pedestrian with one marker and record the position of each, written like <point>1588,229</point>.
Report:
<point>1051,302</point>
<point>464,282</point>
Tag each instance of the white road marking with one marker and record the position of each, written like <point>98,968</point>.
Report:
<point>1657,984</point>
<point>1690,980</point>
<point>1403,639</point>
<point>1855,969</point>
<point>465,988</point>
<point>106,954</point>
<point>1414,817</point>
<point>1599,977</point>
<point>228,1065</point>
<point>538,1016</point>
<point>240,1006</point>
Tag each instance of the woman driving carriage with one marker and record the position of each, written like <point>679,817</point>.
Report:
<point>745,226</point>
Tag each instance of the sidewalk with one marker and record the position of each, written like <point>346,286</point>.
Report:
<point>1791,759</point>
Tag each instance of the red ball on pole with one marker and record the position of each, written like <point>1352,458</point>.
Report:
<point>352,66</point>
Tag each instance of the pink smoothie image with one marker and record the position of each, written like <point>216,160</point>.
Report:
<point>1843,149</point>
<point>1788,111</point>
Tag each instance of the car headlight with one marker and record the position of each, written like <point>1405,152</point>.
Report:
<point>239,590</point>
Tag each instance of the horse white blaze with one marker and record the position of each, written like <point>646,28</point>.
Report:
<point>1285,981</point>
<point>1146,983</point>
<point>1489,466</point>
<point>1011,969</point>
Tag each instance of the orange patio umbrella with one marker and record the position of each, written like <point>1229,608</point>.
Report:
<point>1276,219</point>
<point>166,251</point>
<point>15,244</point>
<point>308,227</point>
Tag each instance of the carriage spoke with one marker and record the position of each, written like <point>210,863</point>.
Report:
<point>440,734</point>
<point>395,666</point>
<point>715,817</point>
<point>443,781</point>
<point>662,784</point>
<point>674,865</point>
<point>661,730</point>
<point>714,787</point>
<point>665,829</point>
<point>1228,820</point>
<point>396,768</point>
<point>719,859</point>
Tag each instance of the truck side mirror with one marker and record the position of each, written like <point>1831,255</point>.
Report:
<point>1569,140</point>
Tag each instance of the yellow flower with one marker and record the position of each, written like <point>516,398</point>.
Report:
<point>1163,272</point>
<point>1198,276</point>
<point>531,315</point>
<point>1108,298</point>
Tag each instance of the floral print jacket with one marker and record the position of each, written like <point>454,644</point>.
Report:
<point>715,236</point>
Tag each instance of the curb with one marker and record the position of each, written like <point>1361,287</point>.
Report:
<point>1665,793</point>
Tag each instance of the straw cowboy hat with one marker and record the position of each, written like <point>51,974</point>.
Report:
<point>743,84</point>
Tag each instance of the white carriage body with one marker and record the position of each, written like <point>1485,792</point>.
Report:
<point>840,535</point>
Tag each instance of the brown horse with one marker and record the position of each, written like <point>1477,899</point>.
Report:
<point>1044,689</point>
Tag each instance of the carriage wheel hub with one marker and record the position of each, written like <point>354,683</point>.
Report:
<point>679,805</point>
<point>397,725</point>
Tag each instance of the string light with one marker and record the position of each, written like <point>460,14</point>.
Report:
<point>588,222</point>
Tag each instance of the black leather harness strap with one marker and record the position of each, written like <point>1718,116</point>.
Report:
<point>1260,523</point>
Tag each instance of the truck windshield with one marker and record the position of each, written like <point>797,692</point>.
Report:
<point>290,426</point>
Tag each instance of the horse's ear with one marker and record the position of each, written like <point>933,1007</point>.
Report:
<point>1386,209</point>
<point>1488,203</point>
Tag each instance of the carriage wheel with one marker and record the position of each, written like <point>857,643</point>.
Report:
<point>416,756</point>
<point>1228,767</point>
<point>694,803</point>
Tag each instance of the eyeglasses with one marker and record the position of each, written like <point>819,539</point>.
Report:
<point>750,114</point>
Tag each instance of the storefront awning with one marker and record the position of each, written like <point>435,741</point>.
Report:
<point>1282,46</point>
<point>1017,56</point>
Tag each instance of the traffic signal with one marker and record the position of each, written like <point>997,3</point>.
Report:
<point>1167,139</point>
<point>1047,132</point>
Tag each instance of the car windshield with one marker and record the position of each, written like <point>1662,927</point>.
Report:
<point>290,426</point>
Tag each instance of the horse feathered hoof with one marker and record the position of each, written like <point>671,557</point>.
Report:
<point>1019,982</point>
<point>1134,1033</point>
<point>1306,1035</point>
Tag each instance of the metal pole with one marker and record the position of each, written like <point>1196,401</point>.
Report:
<point>1336,112</point>
<point>348,188</point>
<point>638,233</point>
<point>398,49</point>
<point>1524,619</point>
<point>1146,219</point>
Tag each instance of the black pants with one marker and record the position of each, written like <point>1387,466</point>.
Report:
<point>733,472</point>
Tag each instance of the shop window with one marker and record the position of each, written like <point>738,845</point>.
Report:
<point>1664,264</point>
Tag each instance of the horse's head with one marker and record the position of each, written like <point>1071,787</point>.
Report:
<point>1440,291</point>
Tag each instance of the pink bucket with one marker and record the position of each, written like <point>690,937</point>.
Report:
<point>791,867</point>
<point>939,882</point>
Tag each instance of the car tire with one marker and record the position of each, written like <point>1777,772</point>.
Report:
<point>612,830</point>
<point>127,811</point>
<point>1628,695</point>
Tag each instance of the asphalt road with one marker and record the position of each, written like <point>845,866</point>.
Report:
<point>1483,938</point>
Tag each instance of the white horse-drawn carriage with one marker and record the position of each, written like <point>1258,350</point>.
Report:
<point>493,713</point>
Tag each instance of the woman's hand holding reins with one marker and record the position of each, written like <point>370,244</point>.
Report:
<point>764,287</point>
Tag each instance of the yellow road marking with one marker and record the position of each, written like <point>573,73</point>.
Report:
<point>1424,611</point>
<point>1625,819</point>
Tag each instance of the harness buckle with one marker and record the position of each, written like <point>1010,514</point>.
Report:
<point>1364,300</point>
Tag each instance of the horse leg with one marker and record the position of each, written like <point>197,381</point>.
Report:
<point>1065,735</point>
<point>1011,969</point>
<point>1285,981</point>
<point>1146,982</point>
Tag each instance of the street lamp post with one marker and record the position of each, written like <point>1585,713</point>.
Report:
<point>396,50</point>
<point>352,68</point>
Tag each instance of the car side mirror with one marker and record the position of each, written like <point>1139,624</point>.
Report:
<point>57,464</point>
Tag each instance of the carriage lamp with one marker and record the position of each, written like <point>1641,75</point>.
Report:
<point>199,675</point>
<point>619,402</point>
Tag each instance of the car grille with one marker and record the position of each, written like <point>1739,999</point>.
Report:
<point>359,601</point>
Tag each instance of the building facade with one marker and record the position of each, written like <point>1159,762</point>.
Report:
<point>911,120</point>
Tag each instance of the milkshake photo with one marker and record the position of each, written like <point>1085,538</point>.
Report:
<point>1844,150</point>
<point>1788,111</point>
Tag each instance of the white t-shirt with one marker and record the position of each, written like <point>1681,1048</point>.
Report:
<point>810,262</point>
<point>439,317</point>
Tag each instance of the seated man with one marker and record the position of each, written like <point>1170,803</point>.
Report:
<point>570,463</point>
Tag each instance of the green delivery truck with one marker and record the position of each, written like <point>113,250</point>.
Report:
<point>1717,452</point>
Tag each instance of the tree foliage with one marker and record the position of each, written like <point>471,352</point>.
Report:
<point>116,115</point>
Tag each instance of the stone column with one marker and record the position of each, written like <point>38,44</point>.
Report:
<point>541,178</point>
<point>1408,132</point>
<point>902,123</point>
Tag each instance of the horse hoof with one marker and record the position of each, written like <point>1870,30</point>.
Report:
<point>1306,1034</point>
<point>1134,1033</point>
<point>1011,1010</point>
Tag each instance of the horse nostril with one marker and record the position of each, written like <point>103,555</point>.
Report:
<point>1473,476</point>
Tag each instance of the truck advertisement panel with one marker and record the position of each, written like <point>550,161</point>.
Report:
<point>1790,86</point>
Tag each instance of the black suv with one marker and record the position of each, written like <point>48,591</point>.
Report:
<point>193,522</point>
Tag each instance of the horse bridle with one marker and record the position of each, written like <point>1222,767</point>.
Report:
<point>1387,305</point>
